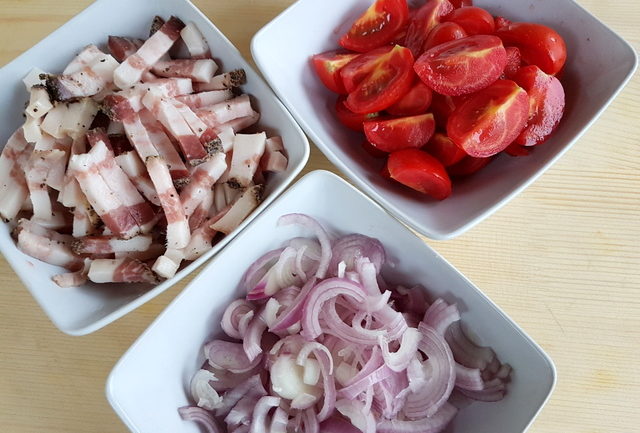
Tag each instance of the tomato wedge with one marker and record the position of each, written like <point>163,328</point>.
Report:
<point>416,101</point>
<point>442,33</point>
<point>501,22</point>
<point>468,166</point>
<point>378,26</point>
<point>539,45</point>
<point>514,61</point>
<point>462,66</point>
<point>357,70</point>
<point>401,133</point>
<point>489,121</point>
<point>328,66</point>
<point>546,108</point>
<point>474,21</point>
<point>442,106</point>
<point>444,150</point>
<point>389,78</point>
<point>350,119</point>
<point>424,20</point>
<point>420,171</point>
<point>461,3</point>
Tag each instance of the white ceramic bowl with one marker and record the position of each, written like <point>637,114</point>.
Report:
<point>85,309</point>
<point>151,380</point>
<point>600,64</point>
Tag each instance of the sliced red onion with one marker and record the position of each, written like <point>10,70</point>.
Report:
<point>259,419</point>
<point>311,375</point>
<point>279,421</point>
<point>368,275</point>
<point>465,351</point>
<point>225,380</point>
<point>293,313</point>
<point>413,300</point>
<point>252,338</point>
<point>259,268</point>
<point>328,382</point>
<point>301,273</point>
<point>435,424</point>
<point>441,315</point>
<point>321,234</point>
<point>241,429</point>
<point>337,424</point>
<point>469,378</point>
<point>232,316</point>
<point>287,379</point>
<point>201,416</point>
<point>487,395</point>
<point>311,424</point>
<point>356,387</point>
<point>271,311</point>
<point>303,401</point>
<point>394,391</point>
<point>224,355</point>
<point>287,295</point>
<point>393,321</point>
<point>355,412</point>
<point>351,247</point>
<point>315,347</point>
<point>251,387</point>
<point>205,396</point>
<point>399,360</point>
<point>354,334</point>
<point>312,248</point>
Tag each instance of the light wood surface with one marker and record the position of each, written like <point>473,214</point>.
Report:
<point>562,259</point>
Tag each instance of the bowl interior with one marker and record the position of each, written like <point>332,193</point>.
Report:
<point>591,81</point>
<point>151,380</point>
<point>85,309</point>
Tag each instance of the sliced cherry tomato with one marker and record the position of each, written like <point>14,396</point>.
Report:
<point>442,33</point>
<point>420,171</point>
<point>515,149</point>
<point>462,66</point>
<point>388,80</point>
<point>539,45</point>
<point>357,70</point>
<point>425,19</point>
<point>377,26</point>
<point>489,121</point>
<point>372,150</point>
<point>514,61</point>
<point>546,107</point>
<point>416,101</point>
<point>444,150</point>
<point>461,3</point>
<point>468,166</point>
<point>501,22</point>
<point>328,66</point>
<point>474,21</point>
<point>350,119</point>
<point>401,133</point>
<point>442,106</point>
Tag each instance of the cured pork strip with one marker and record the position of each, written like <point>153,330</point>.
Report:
<point>89,80</point>
<point>198,70</point>
<point>205,99</point>
<point>124,270</point>
<point>195,42</point>
<point>246,203</point>
<point>46,245</point>
<point>223,112</point>
<point>247,153</point>
<point>73,279</point>
<point>121,47</point>
<point>131,164</point>
<point>202,180</point>
<point>228,80</point>
<point>274,158</point>
<point>110,244</point>
<point>13,184</point>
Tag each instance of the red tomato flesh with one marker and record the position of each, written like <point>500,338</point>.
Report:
<point>401,133</point>
<point>350,119</point>
<point>357,70</point>
<point>474,21</point>
<point>462,66</point>
<point>461,3</point>
<point>416,101</point>
<point>442,33</point>
<point>378,26</point>
<point>442,106</point>
<point>546,105</point>
<point>468,166</point>
<point>489,121</point>
<point>514,61</point>
<point>538,44</point>
<point>444,150</point>
<point>328,66</point>
<point>420,171</point>
<point>388,80</point>
<point>424,20</point>
<point>501,22</point>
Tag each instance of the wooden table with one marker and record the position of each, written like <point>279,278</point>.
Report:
<point>562,259</point>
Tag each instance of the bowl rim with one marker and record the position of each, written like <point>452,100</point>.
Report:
<point>380,197</point>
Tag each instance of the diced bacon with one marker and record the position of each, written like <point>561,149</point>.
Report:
<point>201,213</point>
<point>40,164</point>
<point>85,220</point>
<point>227,137</point>
<point>274,158</point>
<point>121,47</point>
<point>84,58</point>
<point>240,124</point>
<point>139,137</point>
<point>246,203</point>
<point>247,152</point>
<point>169,87</point>
<point>39,102</point>
<point>223,112</point>
<point>178,233</point>
<point>227,80</point>
<point>119,108</point>
<point>202,237</point>
<point>13,184</point>
<point>71,195</point>
<point>35,77</point>
<point>168,264</point>
<point>97,135</point>
<point>58,166</point>
<point>78,117</point>
<point>131,164</point>
<point>195,42</point>
<point>199,70</point>
<point>156,25</point>
<point>230,193</point>
<point>202,179</point>
<point>205,99</point>
<point>40,230</point>
<point>60,219</point>
<point>37,243</point>
<point>164,146</point>
<point>207,135</point>
<point>73,279</point>
<point>109,89</point>
<point>90,80</point>
<point>120,144</point>
<point>152,253</point>
<point>115,128</point>
<point>52,123</point>
<point>123,270</point>
<point>131,70</point>
<point>109,244</point>
<point>31,128</point>
<point>170,117</point>
<point>219,199</point>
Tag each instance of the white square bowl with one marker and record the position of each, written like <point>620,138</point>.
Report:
<point>81,310</point>
<point>152,379</point>
<point>600,63</point>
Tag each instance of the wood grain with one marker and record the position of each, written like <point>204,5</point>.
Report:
<point>562,259</point>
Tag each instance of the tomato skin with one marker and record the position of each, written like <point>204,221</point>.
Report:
<point>514,61</point>
<point>420,171</point>
<point>461,3</point>
<point>416,101</point>
<point>444,150</point>
<point>328,66</point>
<point>474,21</point>
<point>350,119</point>
<point>401,133</point>
<point>389,80</point>
<point>424,20</point>
<point>376,27</point>
<point>442,33</point>
<point>462,66</point>
<point>468,166</point>
<point>357,70</point>
<point>539,45</point>
<point>442,106</point>
<point>546,108</point>
<point>373,151</point>
<point>501,22</point>
<point>490,120</point>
